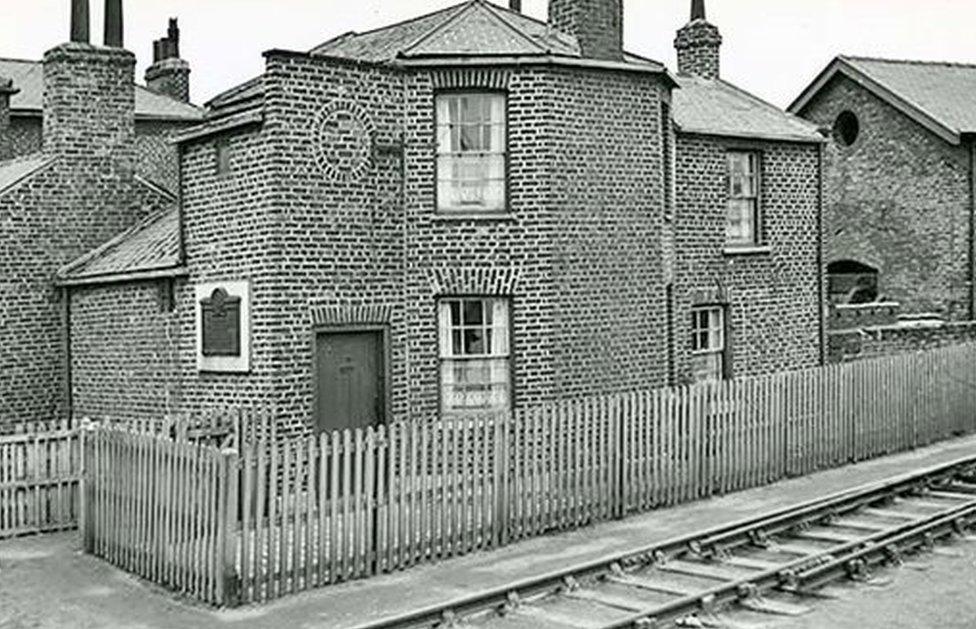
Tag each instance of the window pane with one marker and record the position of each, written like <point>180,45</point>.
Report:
<point>473,312</point>
<point>474,342</point>
<point>707,367</point>
<point>456,348</point>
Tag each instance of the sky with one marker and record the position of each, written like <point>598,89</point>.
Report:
<point>773,48</point>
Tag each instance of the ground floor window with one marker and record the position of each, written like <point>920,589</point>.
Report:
<point>475,354</point>
<point>708,343</point>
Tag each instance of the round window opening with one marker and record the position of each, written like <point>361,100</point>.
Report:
<point>847,128</point>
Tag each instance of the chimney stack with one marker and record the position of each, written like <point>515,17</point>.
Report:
<point>596,24</point>
<point>89,102</point>
<point>515,5</point>
<point>113,24</point>
<point>6,141</point>
<point>169,74</point>
<point>80,22</point>
<point>699,45</point>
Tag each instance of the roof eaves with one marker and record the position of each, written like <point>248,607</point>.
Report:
<point>543,59</point>
<point>220,125</point>
<point>843,65</point>
<point>745,135</point>
<point>140,275</point>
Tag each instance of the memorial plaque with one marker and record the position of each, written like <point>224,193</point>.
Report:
<point>221,325</point>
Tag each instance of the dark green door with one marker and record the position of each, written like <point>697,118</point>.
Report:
<point>350,380</point>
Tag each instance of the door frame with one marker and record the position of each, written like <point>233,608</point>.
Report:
<point>383,329</point>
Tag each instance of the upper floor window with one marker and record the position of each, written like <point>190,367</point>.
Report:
<point>475,354</point>
<point>708,343</point>
<point>471,152</point>
<point>744,215</point>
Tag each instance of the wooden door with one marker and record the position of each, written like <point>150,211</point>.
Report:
<point>350,374</point>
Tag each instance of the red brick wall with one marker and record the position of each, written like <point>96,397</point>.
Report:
<point>898,200</point>
<point>773,296</point>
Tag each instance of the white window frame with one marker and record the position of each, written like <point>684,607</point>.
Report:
<point>494,357</point>
<point>708,342</point>
<point>225,364</point>
<point>744,199</point>
<point>472,180</point>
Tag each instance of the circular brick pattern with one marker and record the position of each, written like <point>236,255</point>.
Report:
<point>343,142</point>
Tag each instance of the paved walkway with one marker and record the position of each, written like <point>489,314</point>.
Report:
<point>46,582</point>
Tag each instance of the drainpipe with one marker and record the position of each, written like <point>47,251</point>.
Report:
<point>66,351</point>
<point>972,229</point>
<point>822,297</point>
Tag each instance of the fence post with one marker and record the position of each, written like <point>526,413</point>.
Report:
<point>227,577</point>
<point>501,453</point>
<point>84,507</point>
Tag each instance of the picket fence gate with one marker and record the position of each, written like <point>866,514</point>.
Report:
<point>40,474</point>
<point>281,515</point>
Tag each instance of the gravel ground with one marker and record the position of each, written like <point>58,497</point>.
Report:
<point>935,590</point>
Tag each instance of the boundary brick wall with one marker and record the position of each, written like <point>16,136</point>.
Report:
<point>898,200</point>
<point>873,342</point>
<point>772,297</point>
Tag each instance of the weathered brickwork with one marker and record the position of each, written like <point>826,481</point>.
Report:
<point>598,25</point>
<point>157,158</point>
<point>82,198</point>
<point>170,77</point>
<point>25,135</point>
<point>699,50</point>
<point>125,346</point>
<point>898,200</point>
<point>771,295</point>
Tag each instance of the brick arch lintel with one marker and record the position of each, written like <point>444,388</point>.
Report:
<point>380,314</point>
<point>471,78</point>
<point>474,281</point>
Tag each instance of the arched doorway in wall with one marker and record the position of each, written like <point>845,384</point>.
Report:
<point>852,282</point>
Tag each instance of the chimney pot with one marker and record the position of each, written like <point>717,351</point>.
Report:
<point>114,24</point>
<point>699,45</point>
<point>515,5</point>
<point>80,22</point>
<point>698,10</point>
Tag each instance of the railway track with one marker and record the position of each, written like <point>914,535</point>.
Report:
<point>768,564</point>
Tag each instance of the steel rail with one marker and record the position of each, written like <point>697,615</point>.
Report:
<point>714,540</point>
<point>792,574</point>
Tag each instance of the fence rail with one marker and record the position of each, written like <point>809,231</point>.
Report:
<point>283,515</point>
<point>39,479</point>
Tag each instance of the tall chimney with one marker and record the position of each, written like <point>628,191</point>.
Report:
<point>113,24</point>
<point>699,45</point>
<point>169,74</point>
<point>596,24</point>
<point>89,106</point>
<point>80,22</point>
<point>6,140</point>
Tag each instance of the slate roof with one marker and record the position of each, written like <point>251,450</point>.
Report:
<point>28,77</point>
<point>12,172</point>
<point>473,28</point>
<point>715,107</point>
<point>941,96</point>
<point>150,246</point>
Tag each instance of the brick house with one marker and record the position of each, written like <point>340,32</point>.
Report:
<point>746,289</point>
<point>899,173</point>
<point>469,210</point>
<point>75,171</point>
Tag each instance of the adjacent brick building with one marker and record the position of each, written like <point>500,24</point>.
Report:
<point>470,210</point>
<point>899,173</point>
<point>73,183</point>
<point>746,287</point>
